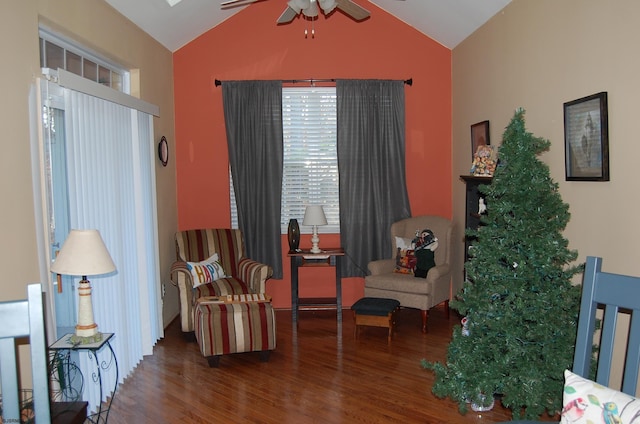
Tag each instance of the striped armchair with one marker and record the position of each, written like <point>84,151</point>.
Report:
<point>243,275</point>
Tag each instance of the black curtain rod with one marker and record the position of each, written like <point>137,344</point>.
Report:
<point>409,81</point>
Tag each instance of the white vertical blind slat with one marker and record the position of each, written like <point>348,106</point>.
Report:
<point>112,189</point>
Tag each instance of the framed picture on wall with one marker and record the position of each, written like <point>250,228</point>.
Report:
<point>586,139</point>
<point>479,136</point>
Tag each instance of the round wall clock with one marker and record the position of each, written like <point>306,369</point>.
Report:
<point>163,151</point>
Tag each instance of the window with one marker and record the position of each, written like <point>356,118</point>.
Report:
<point>310,174</point>
<point>56,52</point>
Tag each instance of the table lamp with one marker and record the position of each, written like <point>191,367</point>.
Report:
<point>314,215</point>
<point>83,254</point>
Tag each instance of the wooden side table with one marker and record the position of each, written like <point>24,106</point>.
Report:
<point>304,258</point>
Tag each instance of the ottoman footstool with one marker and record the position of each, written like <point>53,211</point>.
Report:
<point>375,312</point>
<point>234,324</point>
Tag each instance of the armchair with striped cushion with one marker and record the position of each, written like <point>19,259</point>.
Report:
<point>241,274</point>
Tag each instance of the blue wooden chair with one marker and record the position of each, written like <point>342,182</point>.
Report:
<point>614,292</point>
<point>24,318</point>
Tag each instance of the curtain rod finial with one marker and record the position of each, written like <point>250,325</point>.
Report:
<point>217,82</point>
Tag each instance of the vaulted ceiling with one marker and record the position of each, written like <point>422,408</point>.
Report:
<point>445,21</point>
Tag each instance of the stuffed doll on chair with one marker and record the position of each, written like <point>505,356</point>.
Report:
<point>426,243</point>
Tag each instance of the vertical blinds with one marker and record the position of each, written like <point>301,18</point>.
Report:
<point>111,185</point>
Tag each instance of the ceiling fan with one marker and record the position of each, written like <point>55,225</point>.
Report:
<point>310,8</point>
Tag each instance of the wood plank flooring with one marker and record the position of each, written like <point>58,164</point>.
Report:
<point>318,374</point>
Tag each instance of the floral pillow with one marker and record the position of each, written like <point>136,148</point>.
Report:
<point>405,257</point>
<point>206,271</point>
<point>587,402</point>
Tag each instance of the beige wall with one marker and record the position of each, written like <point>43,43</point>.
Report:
<point>18,251</point>
<point>100,27</point>
<point>538,54</point>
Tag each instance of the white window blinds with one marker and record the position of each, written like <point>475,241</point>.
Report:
<point>310,174</point>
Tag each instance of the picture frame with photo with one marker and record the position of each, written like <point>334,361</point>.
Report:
<point>586,138</point>
<point>479,136</point>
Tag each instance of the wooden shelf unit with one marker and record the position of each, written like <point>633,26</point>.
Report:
<point>472,202</point>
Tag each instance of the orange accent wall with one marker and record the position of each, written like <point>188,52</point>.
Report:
<point>250,45</point>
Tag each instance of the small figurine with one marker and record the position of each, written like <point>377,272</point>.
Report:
<point>484,161</point>
<point>482,207</point>
<point>465,326</point>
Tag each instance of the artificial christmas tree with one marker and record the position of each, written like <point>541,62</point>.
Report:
<point>518,301</point>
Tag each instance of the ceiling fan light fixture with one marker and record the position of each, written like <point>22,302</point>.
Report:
<point>299,5</point>
<point>173,2</point>
<point>327,6</point>
<point>312,10</point>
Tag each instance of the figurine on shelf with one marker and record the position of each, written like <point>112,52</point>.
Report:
<point>484,161</point>
<point>465,326</point>
<point>482,206</point>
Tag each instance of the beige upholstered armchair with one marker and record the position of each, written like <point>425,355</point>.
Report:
<point>410,291</point>
<point>197,272</point>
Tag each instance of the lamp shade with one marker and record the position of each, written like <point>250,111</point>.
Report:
<point>314,215</point>
<point>83,253</point>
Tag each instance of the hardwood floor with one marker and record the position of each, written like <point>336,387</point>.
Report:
<point>319,374</point>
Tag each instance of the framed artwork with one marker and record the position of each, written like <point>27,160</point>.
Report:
<point>586,139</point>
<point>479,136</point>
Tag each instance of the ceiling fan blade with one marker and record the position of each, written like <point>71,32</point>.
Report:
<point>231,3</point>
<point>287,16</point>
<point>357,12</point>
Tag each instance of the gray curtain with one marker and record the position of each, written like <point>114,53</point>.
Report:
<point>371,163</point>
<point>253,119</point>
